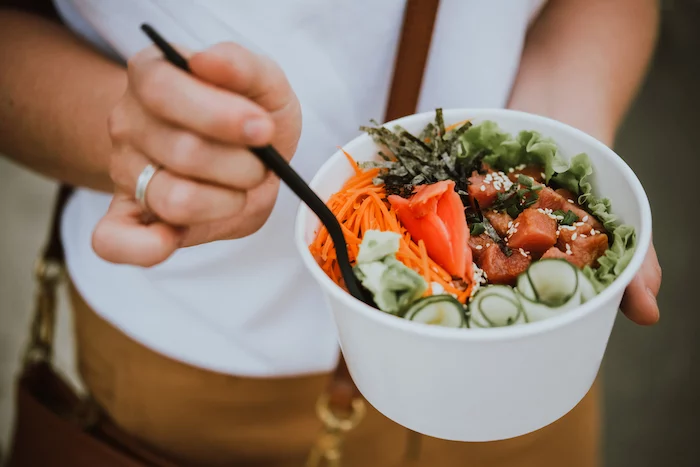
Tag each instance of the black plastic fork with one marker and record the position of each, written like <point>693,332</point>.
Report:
<point>275,162</point>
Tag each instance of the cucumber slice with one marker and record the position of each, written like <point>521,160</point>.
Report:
<point>585,287</point>
<point>496,306</point>
<point>537,311</point>
<point>554,281</point>
<point>525,287</point>
<point>439,310</point>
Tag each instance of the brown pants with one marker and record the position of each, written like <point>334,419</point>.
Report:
<point>202,418</point>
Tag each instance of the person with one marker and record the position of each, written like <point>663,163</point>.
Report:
<point>200,334</point>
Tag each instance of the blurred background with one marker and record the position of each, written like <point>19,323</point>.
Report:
<point>652,403</point>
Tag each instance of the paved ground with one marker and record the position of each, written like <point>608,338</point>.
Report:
<point>652,390</point>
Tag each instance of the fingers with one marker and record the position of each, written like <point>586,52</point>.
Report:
<point>239,70</point>
<point>120,236</point>
<point>186,101</point>
<point>196,128</point>
<point>189,155</point>
<point>174,199</point>
<point>639,302</point>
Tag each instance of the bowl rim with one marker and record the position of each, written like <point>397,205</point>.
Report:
<point>490,334</point>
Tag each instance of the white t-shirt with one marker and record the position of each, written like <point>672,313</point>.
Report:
<point>247,306</point>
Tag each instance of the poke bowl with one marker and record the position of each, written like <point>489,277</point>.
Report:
<point>497,246</point>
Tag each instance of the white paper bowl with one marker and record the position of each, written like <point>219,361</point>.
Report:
<point>480,384</point>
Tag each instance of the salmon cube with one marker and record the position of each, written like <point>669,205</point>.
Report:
<point>582,251</point>
<point>501,221</point>
<point>502,269</point>
<point>587,250</point>
<point>568,234</point>
<point>566,194</point>
<point>582,214</point>
<point>484,193</point>
<point>485,188</point>
<point>534,232</point>
<point>549,199</point>
<point>556,253</point>
<point>571,204</point>
<point>479,245</point>
<point>559,200</point>
<point>532,171</point>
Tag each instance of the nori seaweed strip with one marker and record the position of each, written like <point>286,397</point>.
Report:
<point>406,135</point>
<point>474,163</point>
<point>385,157</point>
<point>458,132</point>
<point>410,161</point>
<point>440,122</point>
<point>383,135</point>
<point>427,132</point>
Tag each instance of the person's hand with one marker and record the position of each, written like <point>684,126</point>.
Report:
<point>196,128</point>
<point>639,302</point>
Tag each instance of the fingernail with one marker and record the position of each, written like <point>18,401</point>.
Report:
<point>254,129</point>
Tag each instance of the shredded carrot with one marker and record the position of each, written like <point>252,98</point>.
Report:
<point>425,269</point>
<point>351,160</point>
<point>360,206</point>
<point>455,125</point>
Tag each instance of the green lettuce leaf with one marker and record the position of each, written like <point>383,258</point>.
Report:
<point>506,152</point>
<point>575,179</point>
<point>615,259</point>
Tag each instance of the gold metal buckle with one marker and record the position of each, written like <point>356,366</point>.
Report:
<point>328,447</point>
<point>40,347</point>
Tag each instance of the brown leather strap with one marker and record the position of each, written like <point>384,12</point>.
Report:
<point>409,65</point>
<point>53,251</point>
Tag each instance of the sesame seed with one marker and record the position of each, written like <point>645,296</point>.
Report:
<point>510,224</point>
<point>568,249</point>
<point>573,237</point>
<point>488,245</point>
<point>511,170</point>
<point>582,235</point>
<point>558,232</point>
<point>520,167</point>
<point>497,185</point>
<point>543,175</point>
<point>483,188</point>
<point>571,201</point>
<point>585,218</point>
<point>523,252</point>
<point>578,224</point>
<point>479,247</point>
<point>517,224</point>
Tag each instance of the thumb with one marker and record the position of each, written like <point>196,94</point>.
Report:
<point>121,236</point>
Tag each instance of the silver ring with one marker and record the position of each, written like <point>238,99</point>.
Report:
<point>142,185</point>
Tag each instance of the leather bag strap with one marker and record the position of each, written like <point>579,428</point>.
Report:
<point>409,64</point>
